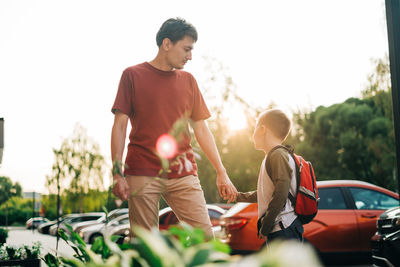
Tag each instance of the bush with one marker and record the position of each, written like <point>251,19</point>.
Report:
<point>24,252</point>
<point>19,210</point>
<point>3,235</point>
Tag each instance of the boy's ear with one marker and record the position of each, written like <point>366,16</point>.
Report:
<point>263,129</point>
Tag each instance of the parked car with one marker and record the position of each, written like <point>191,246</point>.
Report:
<point>75,218</point>
<point>102,220</point>
<point>386,241</point>
<point>122,220</point>
<point>78,227</point>
<point>35,222</point>
<point>89,233</point>
<point>347,214</point>
<point>167,218</point>
<point>44,228</point>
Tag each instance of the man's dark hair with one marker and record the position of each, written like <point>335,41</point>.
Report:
<point>175,30</point>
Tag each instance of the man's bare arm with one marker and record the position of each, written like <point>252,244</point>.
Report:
<point>206,141</point>
<point>118,135</point>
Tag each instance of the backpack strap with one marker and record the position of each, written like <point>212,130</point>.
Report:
<point>290,150</point>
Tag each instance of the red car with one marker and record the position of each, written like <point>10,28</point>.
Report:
<point>346,219</point>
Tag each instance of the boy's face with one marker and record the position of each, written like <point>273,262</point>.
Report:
<point>180,52</point>
<point>259,136</point>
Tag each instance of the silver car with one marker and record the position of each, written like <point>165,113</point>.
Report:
<point>90,233</point>
<point>101,221</point>
<point>75,218</point>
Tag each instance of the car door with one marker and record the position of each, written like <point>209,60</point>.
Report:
<point>334,229</point>
<point>369,205</point>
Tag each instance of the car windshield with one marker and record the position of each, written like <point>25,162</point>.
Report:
<point>115,215</point>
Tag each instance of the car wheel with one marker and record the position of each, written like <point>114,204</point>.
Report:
<point>93,237</point>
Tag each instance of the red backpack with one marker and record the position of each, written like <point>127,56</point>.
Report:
<point>305,202</point>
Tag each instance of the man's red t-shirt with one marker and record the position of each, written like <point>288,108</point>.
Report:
<point>154,100</point>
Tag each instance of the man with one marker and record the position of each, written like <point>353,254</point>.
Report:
<point>153,96</point>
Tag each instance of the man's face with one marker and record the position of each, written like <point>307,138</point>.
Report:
<point>180,52</point>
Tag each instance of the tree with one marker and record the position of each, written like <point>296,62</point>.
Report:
<point>16,211</point>
<point>79,167</point>
<point>8,189</point>
<point>353,139</point>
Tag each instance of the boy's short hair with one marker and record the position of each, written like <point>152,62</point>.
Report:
<point>277,121</point>
<point>175,29</point>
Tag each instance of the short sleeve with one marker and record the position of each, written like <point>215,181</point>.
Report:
<point>280,168</point>
<point>199,110</point>
<point>123,100</point>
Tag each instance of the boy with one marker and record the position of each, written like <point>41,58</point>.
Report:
<point>277,219</point>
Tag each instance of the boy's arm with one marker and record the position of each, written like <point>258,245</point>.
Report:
<point>247,197</point>
<point>281,174</point>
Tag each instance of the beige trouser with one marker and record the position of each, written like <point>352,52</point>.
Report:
<point>184,195</point>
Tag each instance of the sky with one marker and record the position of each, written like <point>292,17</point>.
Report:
<point>61,61</point>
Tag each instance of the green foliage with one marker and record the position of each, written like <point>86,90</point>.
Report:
<point>3,235</point>
<point>94,200</point>
<point>51,260</point>
<point>181,246</point>
<point>353,139</point>
<point>8,189</point>
<point>24,252</point>
<point>18,210</point>
<point>78,166</point>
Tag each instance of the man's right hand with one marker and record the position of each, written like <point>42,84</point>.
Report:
<point>225,187</point>
<point>120,188</point>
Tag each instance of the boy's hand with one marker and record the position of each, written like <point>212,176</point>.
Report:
<point>225,187</point>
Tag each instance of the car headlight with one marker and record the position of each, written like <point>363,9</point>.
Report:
<point>396,222</point>
<point>81,234</point>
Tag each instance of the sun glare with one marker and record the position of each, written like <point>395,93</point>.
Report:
<point>166,146</point>
<point>237,120</point>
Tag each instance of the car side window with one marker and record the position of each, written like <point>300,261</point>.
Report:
<point>214,214</point>
<point>366,199</point>
<point>76,219</point>
<point>124,221</point>
<point>331,199</point>
<point>89,218</point>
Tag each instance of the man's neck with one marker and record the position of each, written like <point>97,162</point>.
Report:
<point>160,64</point>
